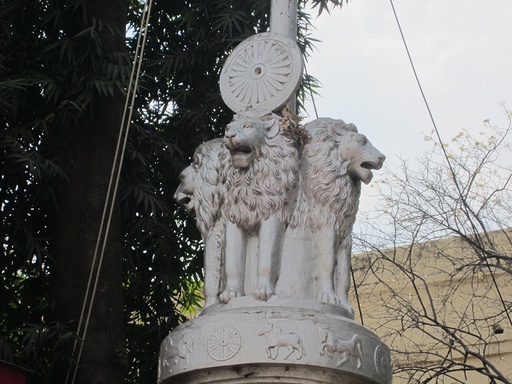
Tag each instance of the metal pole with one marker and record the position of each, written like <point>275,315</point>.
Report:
<point>283,20</point>
<point>283,17</point>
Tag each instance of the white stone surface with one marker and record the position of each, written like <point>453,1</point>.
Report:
<point>264,72</point>
<point>276,215</point>
<point>274,223</point>
<point>275,203</point>
<point>254,341</point>
<point>283,17</point>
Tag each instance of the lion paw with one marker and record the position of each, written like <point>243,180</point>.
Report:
<point>210,300</point>
<point>347,307</point>
<point>328,297</point>
<point>230,293</point>
<point>264,290</point>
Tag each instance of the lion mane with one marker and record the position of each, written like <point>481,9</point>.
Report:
<point>202,190</point>
<point>328,195</point>
<point>208,186</point>
<point>264,188</point>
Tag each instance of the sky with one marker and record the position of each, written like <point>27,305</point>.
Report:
<point>462,52</point>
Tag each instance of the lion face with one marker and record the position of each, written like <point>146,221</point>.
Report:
<point>184,194</point>
<point>245,136</point>
<point>361,155</point>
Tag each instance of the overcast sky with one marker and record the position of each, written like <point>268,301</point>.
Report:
<point>462,53</point>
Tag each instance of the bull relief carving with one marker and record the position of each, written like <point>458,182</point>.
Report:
<point>269,174</point>
<point>277,339</point>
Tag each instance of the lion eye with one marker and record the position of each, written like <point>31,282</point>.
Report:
<point>362,140</point>
<point>247,125</point>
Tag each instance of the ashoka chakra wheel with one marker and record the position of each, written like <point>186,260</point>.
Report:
<point>262,72</point>
<point>224,343</point>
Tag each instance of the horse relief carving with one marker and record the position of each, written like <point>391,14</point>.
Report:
<point>331,345</point>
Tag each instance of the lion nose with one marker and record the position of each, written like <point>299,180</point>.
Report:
<point>229,134</point>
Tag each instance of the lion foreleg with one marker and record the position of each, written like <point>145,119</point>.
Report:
<point>213,263</point>
<point>343,271</point>
<point>234,254</point>
<point>270,240</point>
<point>324,253</point>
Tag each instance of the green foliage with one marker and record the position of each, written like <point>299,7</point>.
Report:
<point>53,67</point>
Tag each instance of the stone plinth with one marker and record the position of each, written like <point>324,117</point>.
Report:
<point>273,341</point>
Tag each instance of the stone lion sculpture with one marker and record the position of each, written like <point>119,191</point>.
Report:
<point>202,191</point>
<point>334,161</point>
<point>261,176</point>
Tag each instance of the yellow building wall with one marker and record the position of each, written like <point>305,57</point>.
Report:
<point>449,288</point>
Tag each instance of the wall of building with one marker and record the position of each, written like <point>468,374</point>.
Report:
<point>414,296</point>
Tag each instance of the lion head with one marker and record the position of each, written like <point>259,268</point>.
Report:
<point>262,169</point>
<point>362,157</point>
<point>334,161</point>
<point>247,134</point>
<point>201,188</point>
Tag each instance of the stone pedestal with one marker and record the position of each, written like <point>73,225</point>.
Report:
<point>273,341</point>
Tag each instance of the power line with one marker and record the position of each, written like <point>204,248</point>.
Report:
<point>108,208</point>
<point>447,158</point>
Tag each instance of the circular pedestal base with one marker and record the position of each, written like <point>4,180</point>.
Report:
<point>269,373</point>
<point>274,341</point>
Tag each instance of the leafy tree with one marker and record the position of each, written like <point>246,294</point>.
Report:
<point>437,267</point>
<point>64,73</point>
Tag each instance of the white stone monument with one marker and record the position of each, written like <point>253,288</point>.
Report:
<point>275,203</point>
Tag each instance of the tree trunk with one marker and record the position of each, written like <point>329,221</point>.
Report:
<point>86,154</point>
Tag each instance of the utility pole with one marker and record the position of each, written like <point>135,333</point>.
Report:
<point>283,17</point>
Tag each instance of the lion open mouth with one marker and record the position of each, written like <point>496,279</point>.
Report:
<point>242,150</point>
<point>364,169</point>
<point>369,165</point>
<point>185,201</point>
<point>241,155</point>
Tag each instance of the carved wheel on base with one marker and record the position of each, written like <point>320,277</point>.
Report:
<point>262,72</point>
<point>383,362</point>
<point>224,343</point>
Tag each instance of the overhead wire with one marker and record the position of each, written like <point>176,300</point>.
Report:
<point>311,91</point>
<point>108,208</point>
<point>446,155</point>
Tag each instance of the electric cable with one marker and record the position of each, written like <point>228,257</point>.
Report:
<point>311,91</point>
<point>447,158</point>
<point>111,191</point>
